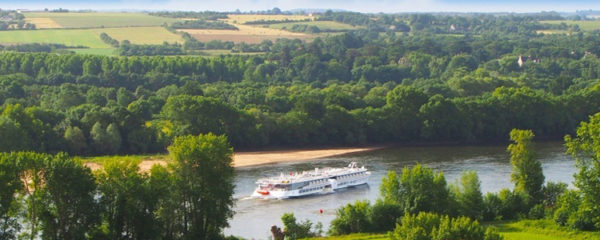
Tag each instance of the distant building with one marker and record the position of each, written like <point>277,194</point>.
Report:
<point>522,60</point>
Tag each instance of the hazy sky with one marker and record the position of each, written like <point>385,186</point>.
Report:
<point>353,5</point>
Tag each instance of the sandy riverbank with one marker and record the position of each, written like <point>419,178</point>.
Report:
<point>245,159</point>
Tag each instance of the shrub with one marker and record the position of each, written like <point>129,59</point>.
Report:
<point>566,205</point>
<point>431,226</point>
<point>352,218</point>
<point>384,216</point>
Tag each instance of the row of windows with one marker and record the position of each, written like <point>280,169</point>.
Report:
<point>320,181</point>
<point>345,183</point>
<point>310,189</point>
<point>350,175</point>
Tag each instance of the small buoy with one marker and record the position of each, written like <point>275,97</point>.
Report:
<point>321,211</point>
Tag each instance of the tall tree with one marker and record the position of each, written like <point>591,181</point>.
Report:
<point>585,148</point>
<point>467,192</point>
<point>527,172</point>
<point>70,210</point>
<point>128,209</point>
<point>204,184</point>
<point>10,184</point>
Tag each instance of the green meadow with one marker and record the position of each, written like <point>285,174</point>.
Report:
<point>583,25</point>
<point>90,37</point>
<point>98,20</point>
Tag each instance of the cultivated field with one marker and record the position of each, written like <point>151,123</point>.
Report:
<point>246,33</point>
<point>243,18</point>
<point>583,25</point>
<point>90,37</point>
<point>94,20</point>
<point>323,25</point>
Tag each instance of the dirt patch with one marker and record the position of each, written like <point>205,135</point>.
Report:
<point>246,33</point>
<point>244,159</point>
<point>43,23</point>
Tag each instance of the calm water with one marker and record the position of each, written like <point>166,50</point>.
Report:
<point>254,217</point>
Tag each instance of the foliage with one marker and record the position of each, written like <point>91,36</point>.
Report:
<point>422,190</point>
<point>203,174</point>
<point>467,192</point>
<point>294,230</point>
<point>352,218</point>
<point>527,171</point>
<point>585,149</point>
<point>70,208</point>
<point>10,184</point>
<point>433,226</point>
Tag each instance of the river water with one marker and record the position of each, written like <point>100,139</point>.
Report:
<point>254,217</point>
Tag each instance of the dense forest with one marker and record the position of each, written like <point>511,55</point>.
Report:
<point>343,90</point>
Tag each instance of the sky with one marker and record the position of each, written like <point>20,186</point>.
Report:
<point>388,6</point>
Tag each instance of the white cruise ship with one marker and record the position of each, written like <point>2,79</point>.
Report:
<point>312,182</point>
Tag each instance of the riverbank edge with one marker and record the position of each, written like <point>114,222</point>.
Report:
<point>247,158</point>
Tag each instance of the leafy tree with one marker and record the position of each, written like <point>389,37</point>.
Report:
<point>586,151</point>
<point>100,138</point>
<point>467,192</point>
<point>125,198</point>
<point>384,216</point>
<point>76,140</point>
<point>70,209</point>
<point>294,230</point>
<point>422,190</point>
<point>10,184</point>
<point>352,218</point>
<point>204,184</point>
<point>389,190</point>
<point>527,171</point>
<point>114,138</point>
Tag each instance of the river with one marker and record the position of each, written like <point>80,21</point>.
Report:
<point>254,217</point>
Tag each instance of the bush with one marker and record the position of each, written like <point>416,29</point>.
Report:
<point>537,212</point>
<point>566,205</point>
<point>352,218</point>
<point>492,207</point>
<point>295,230</point>
<point>384,216</point>
<point>513,204</point>
<point>431,226</point>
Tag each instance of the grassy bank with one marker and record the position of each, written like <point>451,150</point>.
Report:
<point>544,229</point>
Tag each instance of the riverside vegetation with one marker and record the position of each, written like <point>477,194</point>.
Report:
<point>432,79</point>
<point>420,205</point>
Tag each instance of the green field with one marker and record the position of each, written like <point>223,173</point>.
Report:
<point>544,229</point>
<point>583,25</point>
<point>323,25</point>
<point>98,20</point>
<point>358,236</point>
<point>90,37</point>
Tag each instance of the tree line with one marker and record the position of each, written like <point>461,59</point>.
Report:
<point>46,196</point>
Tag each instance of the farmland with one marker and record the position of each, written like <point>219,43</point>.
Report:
<point>583,25</point>
<point>90,37</point>
<point>94,20</point>
<point>246,33</point>
<point>244,18</point>
<point>323,25</point>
